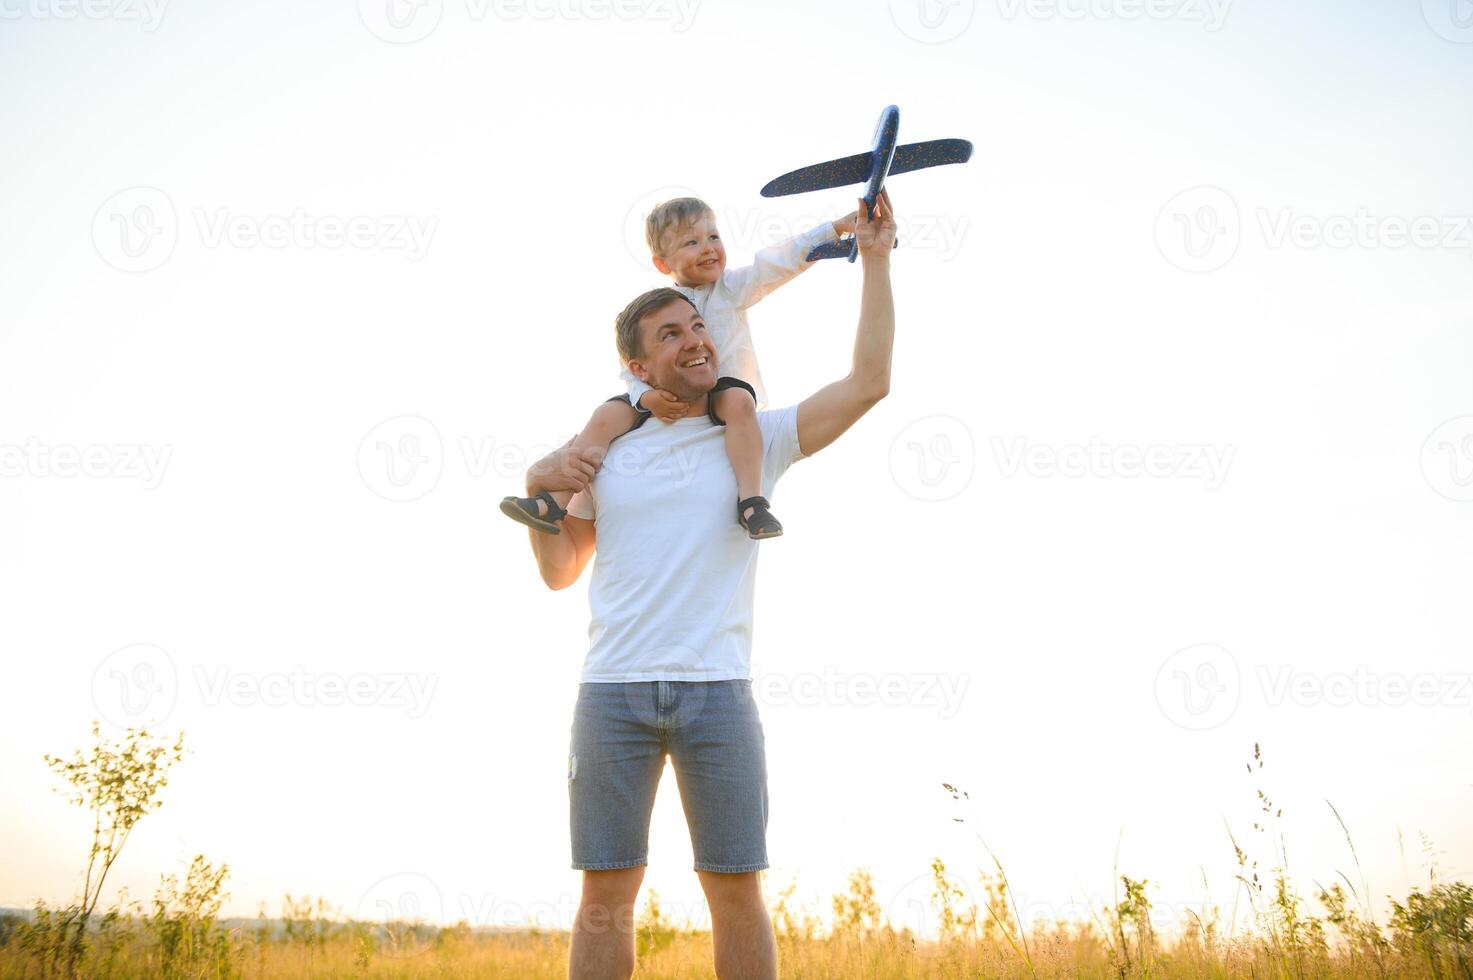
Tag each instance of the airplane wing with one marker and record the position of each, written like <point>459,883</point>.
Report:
<point>838,249</point>
<point>933,153</point>
<point>820,176</point>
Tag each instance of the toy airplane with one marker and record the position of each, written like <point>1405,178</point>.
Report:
<point>884,158</point>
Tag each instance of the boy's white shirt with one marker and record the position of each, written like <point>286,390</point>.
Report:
<point>723,305</point>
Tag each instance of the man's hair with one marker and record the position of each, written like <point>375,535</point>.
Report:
<point>675,213</point>
<point>626,324</point>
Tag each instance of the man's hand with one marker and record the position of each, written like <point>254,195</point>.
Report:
<point>664,405</point>
<point>876,233</point>
<point>565,468</point>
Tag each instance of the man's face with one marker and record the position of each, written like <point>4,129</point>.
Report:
<point>693,255</point>
<point>678,356</point>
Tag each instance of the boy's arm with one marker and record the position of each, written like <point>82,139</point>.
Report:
<point>776,264</point>
<point>637,389</point>
<point>561,557</point>
<point>829,412</point>
<point>656,401</point>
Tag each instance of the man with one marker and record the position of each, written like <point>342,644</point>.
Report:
<point>671,601</point>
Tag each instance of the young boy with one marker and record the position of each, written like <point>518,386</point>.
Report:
<point>685,245</point>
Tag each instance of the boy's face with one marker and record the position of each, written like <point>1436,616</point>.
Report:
<point>693,254</point>
<point>678,356</point>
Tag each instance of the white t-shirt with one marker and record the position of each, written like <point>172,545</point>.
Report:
<point>674,573</point>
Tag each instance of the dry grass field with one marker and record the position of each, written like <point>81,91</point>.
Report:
<point>1271,931</point>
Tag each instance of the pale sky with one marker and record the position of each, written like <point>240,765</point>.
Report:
<point>1178,456</point>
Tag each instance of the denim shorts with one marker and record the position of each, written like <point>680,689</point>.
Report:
<point>622,733</point>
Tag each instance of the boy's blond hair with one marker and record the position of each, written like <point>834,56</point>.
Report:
<point>675,213</point>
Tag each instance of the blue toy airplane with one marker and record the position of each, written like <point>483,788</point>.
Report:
<point>884,158</point>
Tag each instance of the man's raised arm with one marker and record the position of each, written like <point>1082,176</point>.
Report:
<point>829,412</point>
<point>561,557</point>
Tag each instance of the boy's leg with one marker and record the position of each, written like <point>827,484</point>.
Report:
<point>609,421</point>
<point>743,440</point>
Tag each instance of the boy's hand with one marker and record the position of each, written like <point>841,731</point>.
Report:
<point>565,468</point>
<point>664,405</point>
<point>845,225</point>
<point>876,234</point>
